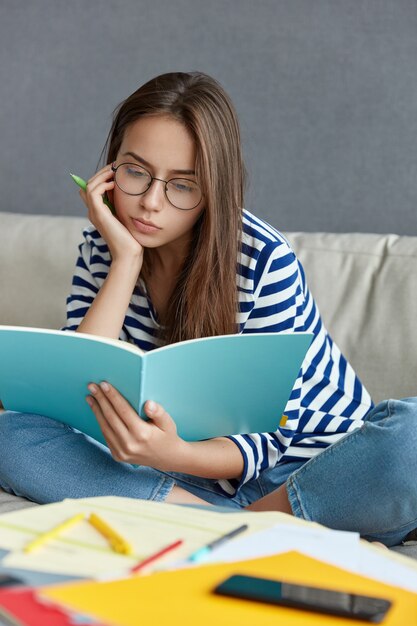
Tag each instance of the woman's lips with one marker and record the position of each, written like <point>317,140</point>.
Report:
<point>145,227</point>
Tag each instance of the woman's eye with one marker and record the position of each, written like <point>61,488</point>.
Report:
<point>131,171</point>
<point>182,187</point>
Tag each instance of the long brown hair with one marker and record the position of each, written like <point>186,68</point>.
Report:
<point>204,301</point>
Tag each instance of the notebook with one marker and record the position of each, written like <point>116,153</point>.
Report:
<point>211,387</point>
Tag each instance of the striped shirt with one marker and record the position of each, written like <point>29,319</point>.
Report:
<point>327,400</point>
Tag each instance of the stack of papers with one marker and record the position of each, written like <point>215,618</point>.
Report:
<point>270,547</point>
<point>147,526</point>
<point>151,526</point>
<point>343,549</point>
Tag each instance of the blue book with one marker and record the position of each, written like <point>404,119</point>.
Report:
<point>211,387</point>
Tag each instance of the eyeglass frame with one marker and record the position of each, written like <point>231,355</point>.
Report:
<point>114,169</point>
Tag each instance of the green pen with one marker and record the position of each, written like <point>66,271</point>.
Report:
<point>82,183</point>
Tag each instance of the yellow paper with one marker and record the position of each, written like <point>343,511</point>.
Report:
<point>184,596</point>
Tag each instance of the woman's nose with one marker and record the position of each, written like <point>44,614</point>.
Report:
<point>154,198</point>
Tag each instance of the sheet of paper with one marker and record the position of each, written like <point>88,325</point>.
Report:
<point>332,546</point>
<point>148,526</point>
<point>387,566</point>
<point>343,549</point>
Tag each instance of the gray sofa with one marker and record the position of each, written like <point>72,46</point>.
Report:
<point>365,286</point>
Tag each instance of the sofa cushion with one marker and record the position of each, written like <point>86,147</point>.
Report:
<point>37,259</point>
<point>366,288</point>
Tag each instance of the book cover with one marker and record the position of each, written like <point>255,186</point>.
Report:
<point>211,387</point>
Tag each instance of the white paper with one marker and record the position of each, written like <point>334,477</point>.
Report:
<point>342,549</point>
<point>332,546</point>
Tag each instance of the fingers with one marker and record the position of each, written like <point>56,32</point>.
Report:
<point>130,438</point>
<point>107,395</point>
<point>108,432</point>
<point>104,174</point>
<point>158,415</point>
<point>122,428</point>
<point>97,186</point>
<point>100,187</point>
<point>107,412</point>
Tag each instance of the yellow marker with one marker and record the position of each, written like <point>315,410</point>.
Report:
<point>116,541</point>
<point>283,421</point>
<point>54,532</point>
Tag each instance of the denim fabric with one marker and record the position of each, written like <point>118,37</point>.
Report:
<point>250,492</point>
<point>366,482</point>
<point>46,461</point>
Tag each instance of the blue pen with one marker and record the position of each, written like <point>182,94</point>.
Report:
<point>199,554</point>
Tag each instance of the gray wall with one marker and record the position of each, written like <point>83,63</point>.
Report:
<point>326,91</point>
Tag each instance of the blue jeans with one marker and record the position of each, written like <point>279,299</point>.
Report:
<point>366,482</point>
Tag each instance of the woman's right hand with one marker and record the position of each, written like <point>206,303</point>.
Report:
<point>121,244</point>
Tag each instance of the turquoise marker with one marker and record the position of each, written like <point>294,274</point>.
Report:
<point>199,554</point>
<point>81,183</point>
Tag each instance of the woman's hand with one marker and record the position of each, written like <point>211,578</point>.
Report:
<point>120,242</point>
<point>156,443</point>
<point>130,438</point>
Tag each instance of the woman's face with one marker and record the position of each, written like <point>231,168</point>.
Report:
<point>164,147</point>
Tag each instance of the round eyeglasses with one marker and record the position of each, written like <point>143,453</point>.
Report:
<point>134,180</point>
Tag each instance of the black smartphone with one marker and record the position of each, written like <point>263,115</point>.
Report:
<point>308,598</point>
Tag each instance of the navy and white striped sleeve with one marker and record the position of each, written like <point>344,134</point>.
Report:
<point>90,272</point>
<point>277,306</point>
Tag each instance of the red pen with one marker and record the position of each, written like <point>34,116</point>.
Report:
<point>157,555</point>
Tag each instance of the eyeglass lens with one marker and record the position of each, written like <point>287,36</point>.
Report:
<point>135,180</point>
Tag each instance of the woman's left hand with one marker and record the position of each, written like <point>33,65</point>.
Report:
<point>130,438</point>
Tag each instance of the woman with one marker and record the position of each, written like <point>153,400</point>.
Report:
<point>181,259</point>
